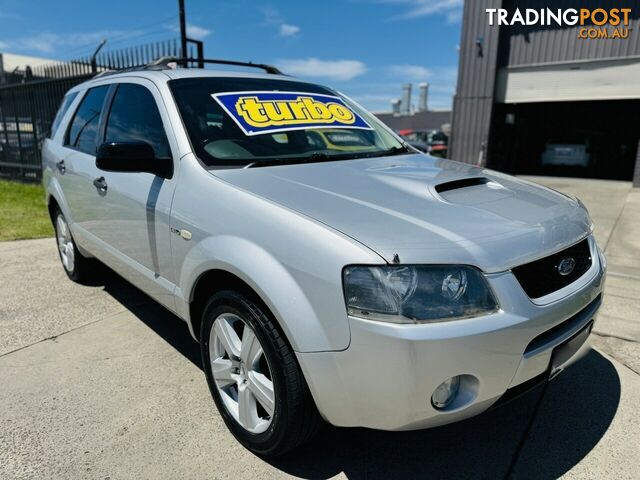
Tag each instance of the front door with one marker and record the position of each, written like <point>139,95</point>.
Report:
<point>132,215</point>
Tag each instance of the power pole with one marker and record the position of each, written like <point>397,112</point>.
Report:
<point>183,30</point>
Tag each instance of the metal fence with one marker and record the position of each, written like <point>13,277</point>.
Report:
<point>29,103</point>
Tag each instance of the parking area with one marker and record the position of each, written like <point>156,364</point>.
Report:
<point>100,382</point>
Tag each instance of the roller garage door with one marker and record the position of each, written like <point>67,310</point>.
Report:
<point>575,119</point>
<point>589,80</point>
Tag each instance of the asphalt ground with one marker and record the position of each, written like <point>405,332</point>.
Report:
<point>100,382</point>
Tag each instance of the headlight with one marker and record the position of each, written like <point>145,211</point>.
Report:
<point>414,294</point>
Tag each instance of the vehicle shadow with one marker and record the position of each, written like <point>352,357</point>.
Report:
<point>164,323</point>
<point>574,413</point>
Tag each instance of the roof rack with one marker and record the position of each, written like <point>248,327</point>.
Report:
<point>164,63</point>
<point>161,63</point>
<point>263,66</point>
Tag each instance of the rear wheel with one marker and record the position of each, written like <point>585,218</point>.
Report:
<point>254,377</point>
<point>77,267</point>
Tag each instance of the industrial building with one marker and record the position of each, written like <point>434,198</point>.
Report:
<point>14,67</point>
<point>404,116</point>
<point>547,99</point>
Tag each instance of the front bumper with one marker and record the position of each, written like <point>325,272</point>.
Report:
<point>386,377</point>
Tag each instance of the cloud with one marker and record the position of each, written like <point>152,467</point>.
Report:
<point>331,69</point>
<point>4,14</point>
<point>197,32</point>
<point>454,16</point>
<point>377,95</point>
<point>193,31</point>
<point>271,16</point>
<point>375,102</point>
<point>451,9</point>
<point>287,30</point>
<point>73,43</point>
<point>410,72</point>
<point>50,42</point>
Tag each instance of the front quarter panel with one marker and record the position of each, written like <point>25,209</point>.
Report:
<point>293,263</point>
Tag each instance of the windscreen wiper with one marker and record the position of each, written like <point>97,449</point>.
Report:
<point>313,158</point>
<point>270,162</point>
<point>323,157</point>
<point>395,151</point>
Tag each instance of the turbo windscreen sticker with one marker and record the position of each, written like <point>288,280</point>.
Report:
<point>268,112</point>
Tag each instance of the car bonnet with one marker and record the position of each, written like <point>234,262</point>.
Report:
<point>423,209</point>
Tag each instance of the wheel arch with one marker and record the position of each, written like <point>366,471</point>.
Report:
<point>207,284</point>
<point>55,199</point>
<point>224,262</point>
<point>52,206</point>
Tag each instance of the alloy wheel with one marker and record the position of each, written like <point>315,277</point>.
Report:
<point>65,244</point>
<point>241,373</point>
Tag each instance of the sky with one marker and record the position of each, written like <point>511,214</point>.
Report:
<point>366,49</point>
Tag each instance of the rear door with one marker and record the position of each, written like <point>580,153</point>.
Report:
<point>76,167</point>
<point>131,216</point>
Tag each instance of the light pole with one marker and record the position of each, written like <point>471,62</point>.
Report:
<point>183,30</point>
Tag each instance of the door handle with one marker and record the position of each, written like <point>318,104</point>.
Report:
<point>60,166</point>
<point>101,184</point>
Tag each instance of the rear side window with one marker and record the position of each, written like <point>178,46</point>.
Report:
<point>84,127</point>
<point>134,117</point>
<point>64,106</point>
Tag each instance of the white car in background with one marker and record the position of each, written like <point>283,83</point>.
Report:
<point>566,154</point>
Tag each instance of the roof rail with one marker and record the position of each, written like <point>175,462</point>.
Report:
<point>164,63</point>
<point>263,66</point>
<point>161,63</point>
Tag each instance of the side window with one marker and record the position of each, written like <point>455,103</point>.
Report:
<point>84,127</point>
<point>134,117</point>
<point>64,106</point>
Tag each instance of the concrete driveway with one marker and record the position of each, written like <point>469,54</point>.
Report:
<point>100,382</point>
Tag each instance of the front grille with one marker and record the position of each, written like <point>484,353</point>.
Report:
<point>543,277</point>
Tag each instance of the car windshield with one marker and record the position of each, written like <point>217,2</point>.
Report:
<point>239,122</point>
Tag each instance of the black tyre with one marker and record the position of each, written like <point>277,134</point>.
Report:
<point>254,377</point>
<point>77,267</point>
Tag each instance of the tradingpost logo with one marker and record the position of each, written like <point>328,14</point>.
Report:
<point>594,23</point>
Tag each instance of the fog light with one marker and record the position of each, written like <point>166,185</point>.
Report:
<point>445,393</point>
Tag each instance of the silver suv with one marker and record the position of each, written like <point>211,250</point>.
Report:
<point>328,270</point>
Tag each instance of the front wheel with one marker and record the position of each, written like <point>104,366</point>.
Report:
<point>254,377</point>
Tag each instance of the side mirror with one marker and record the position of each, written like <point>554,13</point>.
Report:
<point>132,157</point>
